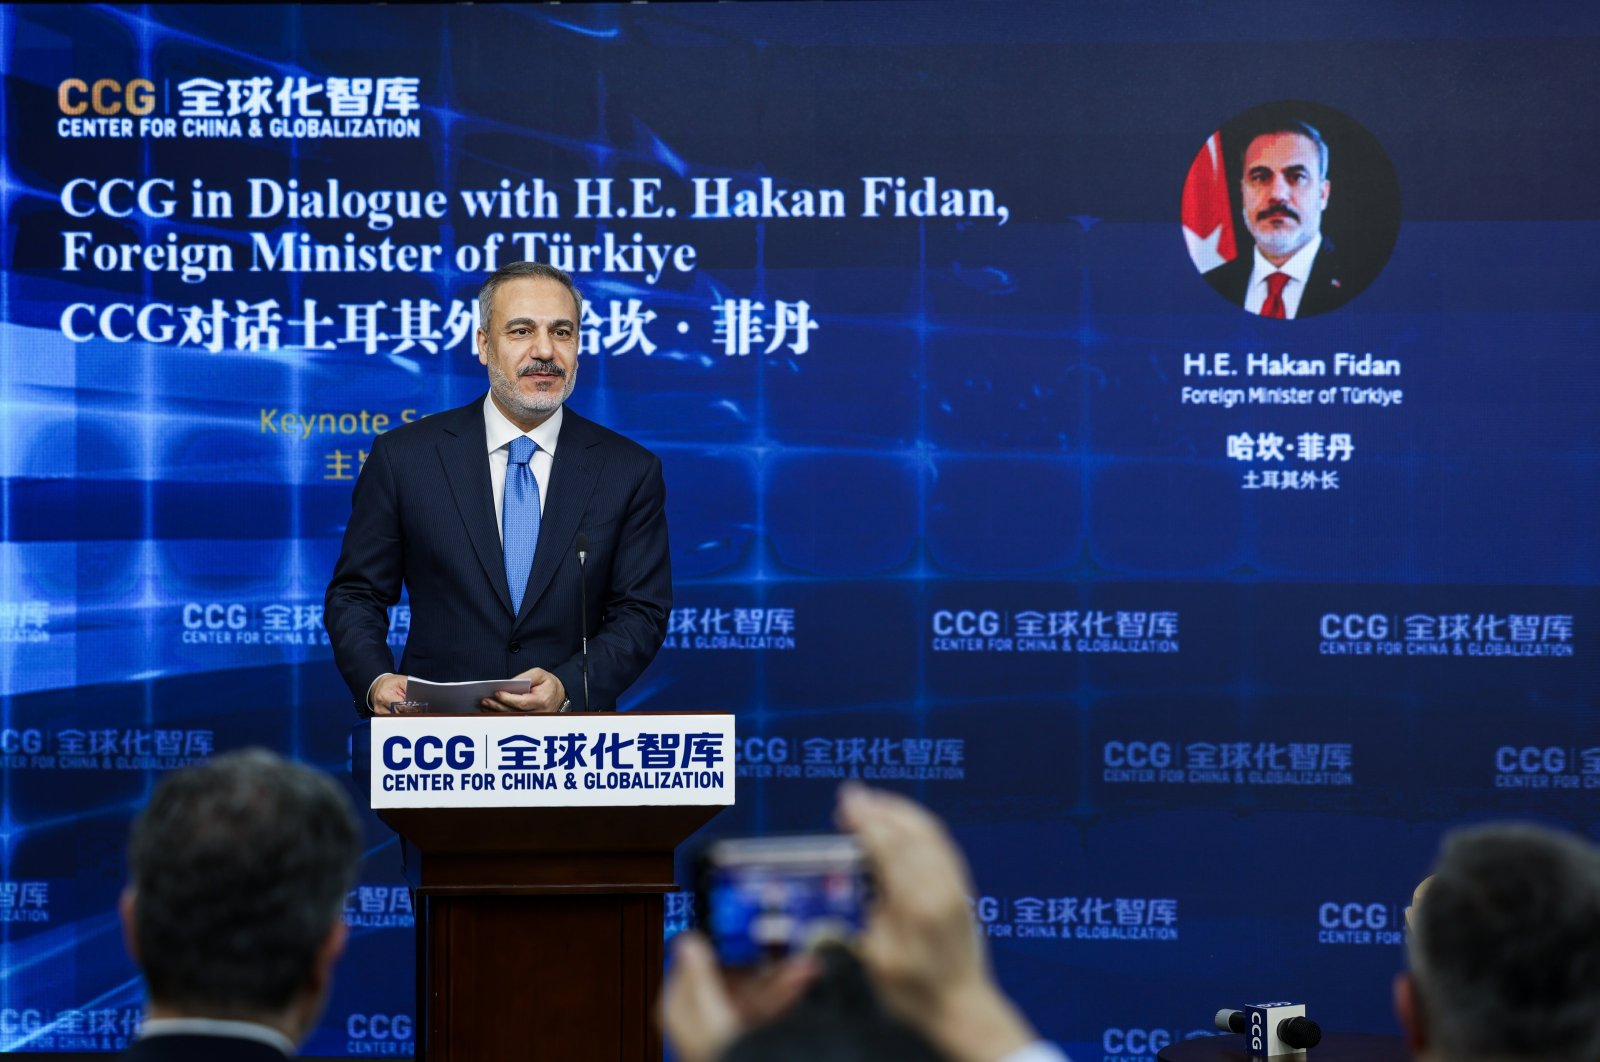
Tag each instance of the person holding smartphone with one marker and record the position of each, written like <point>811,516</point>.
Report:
<point>919,948</point>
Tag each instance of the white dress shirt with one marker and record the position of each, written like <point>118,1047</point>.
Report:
<point>500,432</point>
<point>237,1030</point>
<point>1299,269</point>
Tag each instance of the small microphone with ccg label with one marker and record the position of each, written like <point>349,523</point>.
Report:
<point>1272,1029</point>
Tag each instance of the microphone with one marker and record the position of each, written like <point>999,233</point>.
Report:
<point>1291,1030</point>
<point>583,614</point>
<point>1300,1033</point>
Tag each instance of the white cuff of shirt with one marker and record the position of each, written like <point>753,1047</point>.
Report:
<point>366,702</point>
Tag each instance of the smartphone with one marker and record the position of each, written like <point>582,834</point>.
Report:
<point>761,899</point>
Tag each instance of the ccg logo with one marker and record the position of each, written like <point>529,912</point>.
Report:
<point>215,616</point>
<point>380,1034</point>
<point>1358,922</point>
<point>1132,1045</point>
<point>1546,767</point>
<point>429,753</point>
<point>1530,759</point>
<point>1357,634</point>
<point>15,742</point>
<point>106,96</point>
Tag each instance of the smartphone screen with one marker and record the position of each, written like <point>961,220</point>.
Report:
<point>762,898</point>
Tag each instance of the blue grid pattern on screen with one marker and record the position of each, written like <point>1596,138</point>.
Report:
<point>944,456</point>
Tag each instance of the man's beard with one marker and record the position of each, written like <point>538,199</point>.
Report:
<point>1280,242</point>
<point>526,406</point>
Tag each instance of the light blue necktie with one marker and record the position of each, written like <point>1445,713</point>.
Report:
<point>519,519</point>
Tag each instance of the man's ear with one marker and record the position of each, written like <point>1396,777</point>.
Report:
<point>1408,1008</point>
<point>328,955</point>
<point>307,1006</point>
<point>1327,186</point>
<point>130,938</point>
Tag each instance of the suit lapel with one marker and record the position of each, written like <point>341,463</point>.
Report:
<point>464,453</point>
<point>1323,285</point>
<point>572,480</point>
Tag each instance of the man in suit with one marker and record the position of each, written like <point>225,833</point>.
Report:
<point>1294,271</point>
<point>238,871</point>
<point>479,511</point>
<point>1504,949</point>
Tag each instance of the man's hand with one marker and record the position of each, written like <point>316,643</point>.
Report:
<point>920,945</point>
<point>702,1010</point>
<point>695,1011</point>
<point>545,695</point>
<point>386,690</point>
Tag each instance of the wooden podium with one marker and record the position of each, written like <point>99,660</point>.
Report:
<point>539,928</point>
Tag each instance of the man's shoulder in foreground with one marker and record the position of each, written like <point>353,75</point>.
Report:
<point>199,1048</point>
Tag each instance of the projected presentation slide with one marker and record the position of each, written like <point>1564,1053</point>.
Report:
<point>1159,437</point>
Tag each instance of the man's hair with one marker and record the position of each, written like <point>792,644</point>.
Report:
<point>239,869</point>
<point>1298,128</point>
<point>514,270</point>
<point>1505,946</point>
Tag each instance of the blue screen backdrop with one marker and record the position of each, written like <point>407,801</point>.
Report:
<point>1197,659</point>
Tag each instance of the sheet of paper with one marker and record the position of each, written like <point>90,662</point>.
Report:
<point>459,696</point>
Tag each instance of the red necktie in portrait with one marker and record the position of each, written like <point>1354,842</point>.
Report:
<point>1273,307</point>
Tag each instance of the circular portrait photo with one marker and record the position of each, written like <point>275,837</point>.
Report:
<point>1290,209</point>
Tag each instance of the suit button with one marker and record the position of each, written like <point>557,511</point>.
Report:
<point>514,647</point>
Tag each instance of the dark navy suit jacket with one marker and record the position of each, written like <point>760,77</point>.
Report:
<point>423,515</point>
<point>1326,288</point>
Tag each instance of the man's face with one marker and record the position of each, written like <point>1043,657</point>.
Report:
<point>1284,193</point>
<point>530,345</point>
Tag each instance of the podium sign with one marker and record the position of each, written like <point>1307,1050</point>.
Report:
<point>530,761</point>
<point>545,843</point>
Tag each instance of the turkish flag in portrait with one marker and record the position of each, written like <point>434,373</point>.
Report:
<point>1207,213</point>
